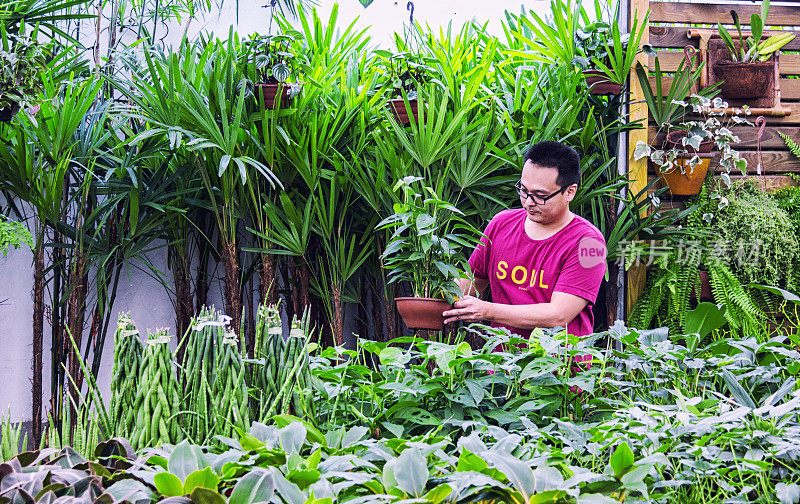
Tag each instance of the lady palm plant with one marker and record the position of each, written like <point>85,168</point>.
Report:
<point>212,116</point>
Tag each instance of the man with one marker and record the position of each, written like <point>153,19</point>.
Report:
<point>543,263</point>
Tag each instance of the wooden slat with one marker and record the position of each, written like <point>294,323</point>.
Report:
<point>790,93</point>
<point>675,37</point>
<point>669,61</point>
<point>671,36</point>
<point>747,136</point>
<point>773,162</point>
<point>686,12</point>
<point>637,170</point>
<point>790,64</point>
<point>790,89</point>
<point>770,140</point>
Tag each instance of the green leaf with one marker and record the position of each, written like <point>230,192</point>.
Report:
<point>425,221</point>
<point>255,486</point>
<point>223,163</point>
<point>704,319</point>
<point>168,484</point>
<point>788,296</point>
<point>737,391</point>
<point>411,472</point>
<point>622,459</point>
<point>312,433</point>
<point>303,478</point>
<point>186,459</point>
<point>202,495</point>
<point>518,473</point>
<point>205,478</point>
<point>788,494</point>
<point>130,490</point>
<point>595,498</point>
<point>250,443</point>
<point>438,494</point>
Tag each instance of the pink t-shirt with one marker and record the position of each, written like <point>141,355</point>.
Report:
<point>522,270</point>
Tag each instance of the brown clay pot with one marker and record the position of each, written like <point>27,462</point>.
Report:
<point>674,142</point>
<point>744,80</point>
<point>398,108</point>
<point>599,84</point>
<point>422,313</point>
<point>270,91</point>
<point>706,294</point>
<point>688,183</point>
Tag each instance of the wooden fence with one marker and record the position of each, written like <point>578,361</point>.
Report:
<point>669,30</point>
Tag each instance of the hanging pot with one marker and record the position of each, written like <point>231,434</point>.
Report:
<point>7,113</point>
<point>422,313</point>
<point>674,142</point>
<point>744,80</point>
<point>599,84</point>
<point>269,92</point>
<point>398,108</point>
<point>682,179</point>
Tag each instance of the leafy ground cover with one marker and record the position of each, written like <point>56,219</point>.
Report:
<point>651,417</point>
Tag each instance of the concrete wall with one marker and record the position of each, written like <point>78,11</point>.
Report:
<point>143,296</point>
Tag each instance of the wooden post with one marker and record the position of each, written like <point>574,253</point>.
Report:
<point>637,170</point>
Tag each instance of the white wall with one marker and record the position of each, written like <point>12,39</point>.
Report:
<point>383,18</point>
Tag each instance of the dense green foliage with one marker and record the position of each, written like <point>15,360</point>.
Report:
<point>664,419</point>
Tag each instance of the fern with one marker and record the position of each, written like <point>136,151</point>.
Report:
<point>740,307</point>
<point>791,144</point>
<point>685,283</point>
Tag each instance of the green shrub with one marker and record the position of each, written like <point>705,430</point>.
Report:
<point>754,223</point>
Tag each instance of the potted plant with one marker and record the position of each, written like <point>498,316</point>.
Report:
<point>274,64</point>
<point>606,55</point>
<point>425,250</point>
<point>681,162</point>
<point>404,74</point>
<point>749,70</point>
<point>21,62</point>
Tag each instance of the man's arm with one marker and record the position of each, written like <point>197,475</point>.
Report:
<point>560,311</point>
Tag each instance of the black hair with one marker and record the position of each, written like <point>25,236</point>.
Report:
<point>556,155</point>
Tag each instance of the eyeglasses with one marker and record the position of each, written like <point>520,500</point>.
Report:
<point>539,200</point>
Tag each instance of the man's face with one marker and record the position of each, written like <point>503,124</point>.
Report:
<point>541,181</point>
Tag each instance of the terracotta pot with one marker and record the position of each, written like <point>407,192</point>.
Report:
<point>744,80</point>
<point>674,142</point>
<point>686,182</point>
<point>398,108</point>
<point>270,91</point>
<point>599,84</point>
<point>706,294</point>
<point>422,313</point>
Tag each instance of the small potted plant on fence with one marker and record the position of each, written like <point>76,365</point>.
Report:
<point>751,67</point>
<point>21,62</point>
<point>606,55</point>
<point>405,73</point>
<point>274,63</point>
<point>681,161</point>
<point>425,250</point>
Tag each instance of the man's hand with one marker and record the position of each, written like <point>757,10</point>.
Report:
<point>468,308</point>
